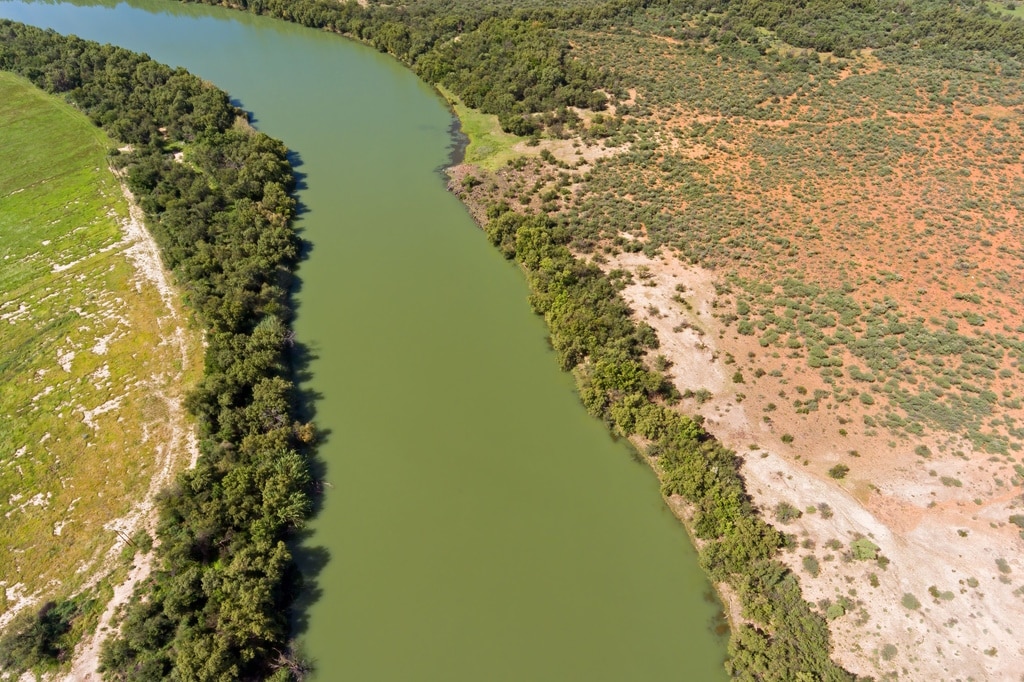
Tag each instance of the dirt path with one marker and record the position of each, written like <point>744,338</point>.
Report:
<point>177,437</point>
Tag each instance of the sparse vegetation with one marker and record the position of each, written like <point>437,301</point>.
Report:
<point>80,359</point>
<point>39,638</point>
<point>592,334</point>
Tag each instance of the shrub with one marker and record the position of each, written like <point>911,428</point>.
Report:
<point>835,611</point>
<point>785,512</point>
<point>863,549</point>
<point>839,471</point>
<point>910,601</point>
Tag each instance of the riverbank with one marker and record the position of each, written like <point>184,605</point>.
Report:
<point>176,451</point>
<point>216,198</point>
<point>911,535</point>
<point>863,595</point>
<point>95,362</point>
<point>934,504</point>
<point>619,382</point>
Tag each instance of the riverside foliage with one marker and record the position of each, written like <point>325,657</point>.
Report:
<point>503,62</point>
<point>594,336</point>
<point>215,607</point>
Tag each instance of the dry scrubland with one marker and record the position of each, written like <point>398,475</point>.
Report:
<point>93,361</point>
<point>830,251</point>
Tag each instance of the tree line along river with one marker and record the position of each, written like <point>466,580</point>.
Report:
<point>478,524</point>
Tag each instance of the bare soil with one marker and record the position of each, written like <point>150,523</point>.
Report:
<point>942,542</point>
<point>177,447</point>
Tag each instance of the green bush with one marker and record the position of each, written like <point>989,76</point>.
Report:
<point>38,638</point>
<point>863,549</point>
<point>839,471</point>
<point>785,512</point>
<point>835,611</point>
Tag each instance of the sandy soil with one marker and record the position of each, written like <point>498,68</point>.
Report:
<point>177,438</point>
<point>942,542</point>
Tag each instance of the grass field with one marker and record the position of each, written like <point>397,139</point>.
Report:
<point>489,146</point>
<point>1013,9</point>
<point>87,373</point>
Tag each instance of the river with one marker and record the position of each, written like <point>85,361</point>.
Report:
<point>478,524</point>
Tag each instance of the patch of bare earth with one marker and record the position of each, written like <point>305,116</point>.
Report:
<point>939,522</point>
<point>176,446</point>
<point>858,308</point>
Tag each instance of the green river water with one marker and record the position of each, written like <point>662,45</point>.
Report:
<point>478,525</point>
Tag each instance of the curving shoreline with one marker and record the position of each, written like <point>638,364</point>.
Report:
<point>244,404</point>
<point>750,647</point>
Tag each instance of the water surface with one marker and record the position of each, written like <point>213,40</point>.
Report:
<point>478,524</point>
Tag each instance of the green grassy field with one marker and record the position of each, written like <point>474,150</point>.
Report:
<point>1013,9</point>
<point>86,370</point>
<point>489,147</point>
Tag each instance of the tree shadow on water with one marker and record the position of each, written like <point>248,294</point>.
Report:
<point>295,159</point>
<point>309,559</point>
<point>310,562</point>
<point>306,399</point>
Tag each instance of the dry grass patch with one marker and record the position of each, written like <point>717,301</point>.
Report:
<point>92,361</point>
